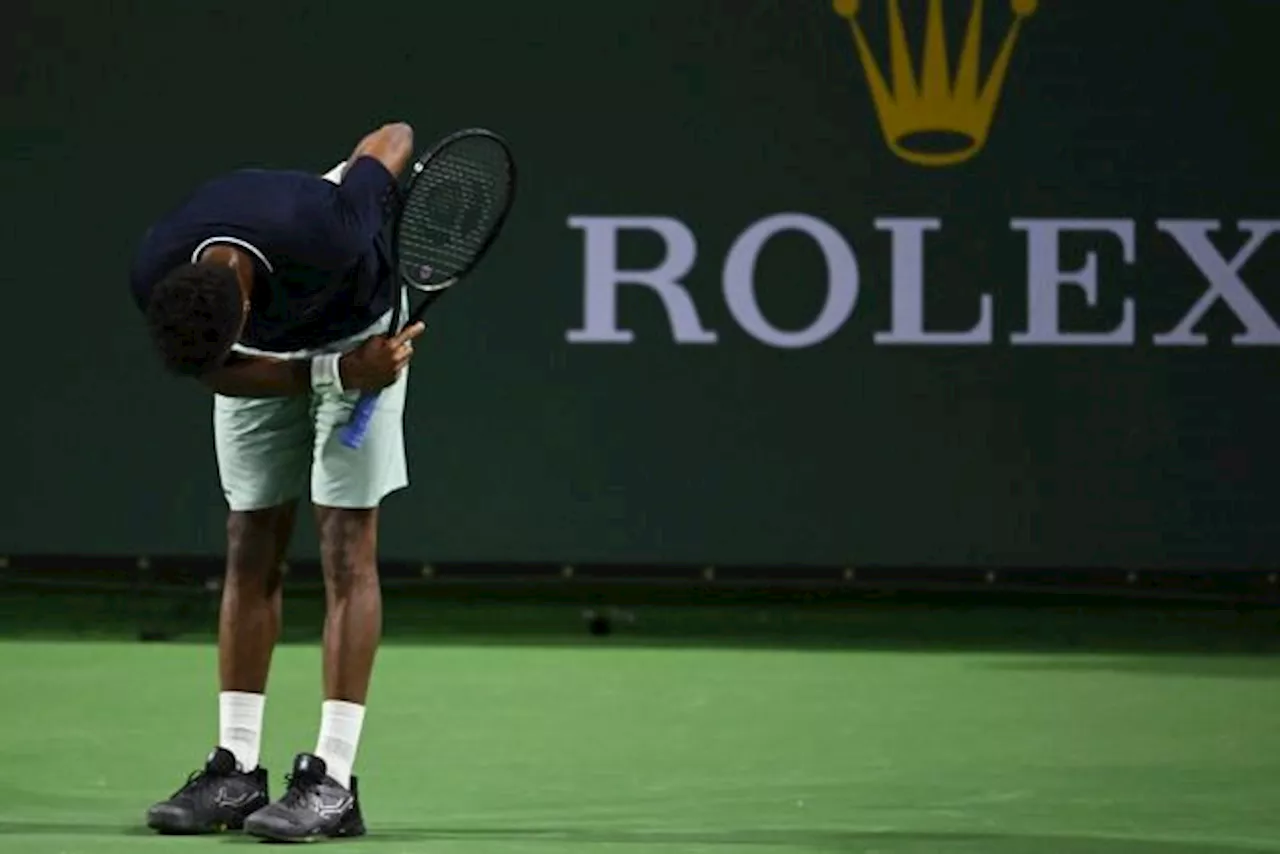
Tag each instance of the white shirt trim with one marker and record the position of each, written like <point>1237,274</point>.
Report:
<point>342,346</point>
<point>378,327</point>
<point>334,175</point>
<point>234,241</point>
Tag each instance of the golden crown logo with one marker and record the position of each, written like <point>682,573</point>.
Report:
<point>914,111</point>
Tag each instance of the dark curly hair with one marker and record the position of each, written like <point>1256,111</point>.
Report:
<point>195,315</point>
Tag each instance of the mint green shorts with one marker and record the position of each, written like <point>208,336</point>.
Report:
<point>271,449</point>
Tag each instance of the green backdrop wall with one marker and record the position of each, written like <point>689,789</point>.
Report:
<point>790,412</point>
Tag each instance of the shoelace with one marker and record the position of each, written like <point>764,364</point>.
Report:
<point>300,787</point>
<point>195,780</point>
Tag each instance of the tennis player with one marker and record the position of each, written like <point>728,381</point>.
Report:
<point>273,289</point>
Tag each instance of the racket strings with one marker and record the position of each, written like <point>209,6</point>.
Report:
<point>451,210</point>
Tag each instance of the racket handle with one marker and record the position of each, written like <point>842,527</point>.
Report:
<point>353,432</point>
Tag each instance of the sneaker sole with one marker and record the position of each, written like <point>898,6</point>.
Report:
<point>301,840</point>
<point>171,829</point>
<point>172,825</point>
<point>272,836</point>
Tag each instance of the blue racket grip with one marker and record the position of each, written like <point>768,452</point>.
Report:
<point>353,432</point>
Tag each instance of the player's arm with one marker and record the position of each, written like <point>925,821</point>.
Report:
<point>333,233</point>
<point>391,145</point>
<point>372,366</point>
<point>258,376</point>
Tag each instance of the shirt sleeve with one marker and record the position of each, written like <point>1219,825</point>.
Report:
<point>347,218</point>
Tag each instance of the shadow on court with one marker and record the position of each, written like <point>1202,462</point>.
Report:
<point>835,841</point>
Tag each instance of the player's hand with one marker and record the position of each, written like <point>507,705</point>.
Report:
<point>377,362</point>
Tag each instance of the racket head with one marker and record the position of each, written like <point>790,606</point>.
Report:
<point>452,208</point>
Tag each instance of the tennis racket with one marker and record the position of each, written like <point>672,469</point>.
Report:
<point>450,212</point>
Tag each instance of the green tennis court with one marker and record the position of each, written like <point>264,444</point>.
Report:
<point>643,743</point>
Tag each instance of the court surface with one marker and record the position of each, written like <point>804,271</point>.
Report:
<point>600,745</point>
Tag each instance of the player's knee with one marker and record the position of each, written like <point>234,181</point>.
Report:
<point>348,545</point>
<point>256,544</point>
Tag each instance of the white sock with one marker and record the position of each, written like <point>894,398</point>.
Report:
<point>240,726</point>
<point>340,726</point>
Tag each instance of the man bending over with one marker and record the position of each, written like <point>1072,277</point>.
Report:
<point>273,289</point>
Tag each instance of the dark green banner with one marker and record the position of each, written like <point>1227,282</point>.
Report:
<point>915,282</point>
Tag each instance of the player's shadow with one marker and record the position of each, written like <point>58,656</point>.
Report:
<point>835,841</point>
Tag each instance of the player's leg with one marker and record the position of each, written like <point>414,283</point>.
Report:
<point>263,449</point>
<point>249,623</point>
<point>347,487</point>
<point>352,631</point>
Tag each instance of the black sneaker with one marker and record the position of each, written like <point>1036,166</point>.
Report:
<point>316,806</point>
<point>216,798</point>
